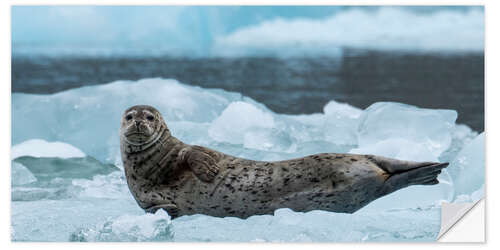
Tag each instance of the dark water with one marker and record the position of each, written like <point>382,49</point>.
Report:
<point>291,85</point>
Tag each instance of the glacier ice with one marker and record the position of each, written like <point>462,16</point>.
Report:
<point>74,189</point>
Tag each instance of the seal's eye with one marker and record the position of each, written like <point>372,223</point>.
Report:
<point>128,117</point>
<point>150,117</point>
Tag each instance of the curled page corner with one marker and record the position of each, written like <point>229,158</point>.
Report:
<point>451,213</point>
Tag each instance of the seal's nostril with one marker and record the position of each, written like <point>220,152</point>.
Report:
<point>137,123</point>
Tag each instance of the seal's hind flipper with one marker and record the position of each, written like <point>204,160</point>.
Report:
<point>424,174</point>
<point>393,166</point>
<point>203,164</point>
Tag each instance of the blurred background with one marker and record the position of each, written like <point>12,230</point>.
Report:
<point>292,59</point>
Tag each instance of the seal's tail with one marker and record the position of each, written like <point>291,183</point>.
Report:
<point>406,173</point>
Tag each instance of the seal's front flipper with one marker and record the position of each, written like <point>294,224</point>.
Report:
<point>203,165</point>
<point>171,209</point>
<point>424,174</point>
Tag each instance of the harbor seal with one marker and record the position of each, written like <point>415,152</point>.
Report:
<point>162,172</point>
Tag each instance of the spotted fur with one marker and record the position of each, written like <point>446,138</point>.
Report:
<point>164,173</point>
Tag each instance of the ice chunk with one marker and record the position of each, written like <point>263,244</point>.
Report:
<point>89,117</point>
<point>341,123</point>
<point>21,175</point>
<point>42,148</point>
<point>79,194</point>
<point>428,128</point>
<point>473,197</point>
<point>46,169</point>
<point>236,120</point>
<point>267,139</point>
<point>147,227</point>
<point>342,110</point>
<point>55,220</point>
<point>462,135</point>
<point>468,167</point>
<point>397,148</point>
<point>315,226</point>
<point>37,193</point>
<point>112,186</point>
<point>55,176</point>
<point>408,133</point>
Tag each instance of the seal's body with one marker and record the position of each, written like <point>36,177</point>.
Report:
<point>163,172</point>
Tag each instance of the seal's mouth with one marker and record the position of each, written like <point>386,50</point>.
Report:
<point>137,136</point>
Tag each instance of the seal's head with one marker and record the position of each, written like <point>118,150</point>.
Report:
<point>141,125</point>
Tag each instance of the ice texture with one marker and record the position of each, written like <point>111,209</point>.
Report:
<point>46,169</point>
<point>314,226</point>
<point>147,227</point>
<point>56,220</point>
<point>416,134</point>
<point>88,119</point>
<point>467,169</point>
<point>406,132</point>
<point>83,196</point>
<point>41,148</point>
<point>237,119</point>
<point>20,175</point>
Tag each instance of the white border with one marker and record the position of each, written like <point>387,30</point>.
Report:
<point>492,125</point>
